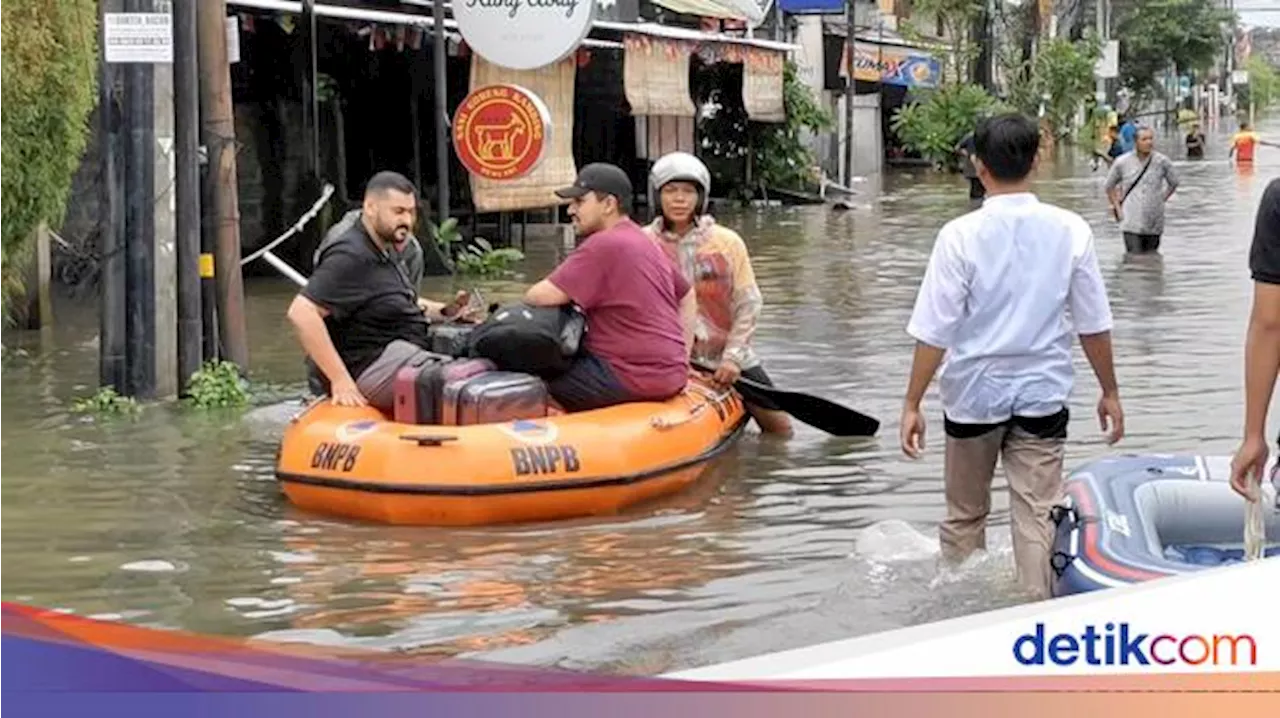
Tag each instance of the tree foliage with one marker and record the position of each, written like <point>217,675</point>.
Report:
<point>1263,89</point>
<point>1187,33</point>
<point>934,125</point>
<point>49,88</point>
<point>1060,77</point>
<point>956,18</point>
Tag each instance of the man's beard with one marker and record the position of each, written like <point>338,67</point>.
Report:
<point>389,235</point>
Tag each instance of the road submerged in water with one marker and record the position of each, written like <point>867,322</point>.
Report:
<point>174,520</point>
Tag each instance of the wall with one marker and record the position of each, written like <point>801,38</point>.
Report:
<point>809,63</point>
<point>868,140</point>
<point>828,147</point>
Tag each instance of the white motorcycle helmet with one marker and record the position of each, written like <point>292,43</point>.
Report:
<point>681,166</point>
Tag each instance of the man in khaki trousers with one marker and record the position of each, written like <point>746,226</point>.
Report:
<point>1006,287</point>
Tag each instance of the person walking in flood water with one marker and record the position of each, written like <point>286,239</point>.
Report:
<point>1194,142</point>
<point>1139,185</point>
<point>964,148</point>
<point>994,302</point>
<point>1262,347</point>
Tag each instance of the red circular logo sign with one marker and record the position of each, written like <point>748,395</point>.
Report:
<point>501,131</point>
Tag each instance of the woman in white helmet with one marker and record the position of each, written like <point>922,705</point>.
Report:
<point>714,260</point>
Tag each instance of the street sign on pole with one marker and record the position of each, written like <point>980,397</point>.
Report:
<point>133,37</point>
<point>1108,65</point>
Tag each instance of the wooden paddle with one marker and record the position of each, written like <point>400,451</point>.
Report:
<point>815,411</point>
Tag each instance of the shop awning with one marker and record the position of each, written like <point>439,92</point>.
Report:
<point>343,12</point>
<point>748,10</point>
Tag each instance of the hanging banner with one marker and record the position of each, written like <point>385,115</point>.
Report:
<point>535,187</point>
<point>524,35</point>
<point>762,86</point>
<point>501,132</point>
<point>655,76</point>
<point>892,65</point>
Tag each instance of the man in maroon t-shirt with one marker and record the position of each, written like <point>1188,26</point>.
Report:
<point>639,307</point>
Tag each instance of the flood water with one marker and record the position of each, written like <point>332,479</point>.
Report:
<point>174,519</point>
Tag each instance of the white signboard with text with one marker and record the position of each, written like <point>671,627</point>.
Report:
<point>138,37</point>
<point>524,34</point>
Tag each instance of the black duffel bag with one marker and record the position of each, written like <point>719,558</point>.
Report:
<point>534,340</point>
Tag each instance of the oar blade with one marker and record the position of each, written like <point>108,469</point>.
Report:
<point>815,411</point>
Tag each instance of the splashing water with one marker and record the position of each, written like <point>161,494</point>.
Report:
<point>894,540</point>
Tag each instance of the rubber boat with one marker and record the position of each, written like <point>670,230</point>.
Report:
<point>1137,518</point>
<point>357,463</point>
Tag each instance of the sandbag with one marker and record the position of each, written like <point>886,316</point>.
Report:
<point>533,340</point>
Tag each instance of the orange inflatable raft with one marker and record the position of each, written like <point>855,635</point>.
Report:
<point>359,464</point>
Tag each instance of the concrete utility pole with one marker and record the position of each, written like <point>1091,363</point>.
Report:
<point>1102,26</point>
<point>164,205</point>
<point>1230,86</point>
<point>847,180</point>
<point>139,221</point>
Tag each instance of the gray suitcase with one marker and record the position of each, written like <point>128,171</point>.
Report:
<point>494,397</point>
<point>450,338</point>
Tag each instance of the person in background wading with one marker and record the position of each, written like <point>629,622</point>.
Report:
<point>1148,180</point>
<point>994,302</point>
<point>714,259</point>
<point>359,317</point>
<point>965,149</point>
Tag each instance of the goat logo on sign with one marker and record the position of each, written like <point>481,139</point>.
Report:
<point>500,132</point>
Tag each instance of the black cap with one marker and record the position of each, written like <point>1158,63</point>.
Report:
<point>603,178</point>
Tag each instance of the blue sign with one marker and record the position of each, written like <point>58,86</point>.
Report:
<point>812,7</point>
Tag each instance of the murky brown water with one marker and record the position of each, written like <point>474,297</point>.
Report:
<point>174,520</point>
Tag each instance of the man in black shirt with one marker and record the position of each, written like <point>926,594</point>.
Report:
<point>359,317</point>
<point>1262,346</point>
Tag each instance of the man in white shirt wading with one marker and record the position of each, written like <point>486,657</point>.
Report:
<point>994,301</point>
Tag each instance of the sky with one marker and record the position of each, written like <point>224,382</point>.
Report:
<point>1259,12</point>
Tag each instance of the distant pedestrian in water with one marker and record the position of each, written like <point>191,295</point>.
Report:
<point>1006,288</point>
<point>1195,142</point>
<point>1138,186</point>
<point>1109,147</point>
<point>965,148</point>
<point>1244,142</point>
<point>1128,135</point>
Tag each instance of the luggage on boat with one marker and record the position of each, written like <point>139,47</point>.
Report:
<point>533,340</point>
<point>418,390</point>
<point>450,338</point>
<point>494,397</point>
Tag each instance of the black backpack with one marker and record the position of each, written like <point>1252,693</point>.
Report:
<point>534,340</point>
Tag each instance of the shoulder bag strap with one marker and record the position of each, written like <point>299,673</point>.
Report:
<point>1150,159</point>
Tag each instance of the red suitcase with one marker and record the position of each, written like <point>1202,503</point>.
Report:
<point>418,389</point>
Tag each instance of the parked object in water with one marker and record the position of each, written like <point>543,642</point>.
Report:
<point>521,464</point>
<point>1136,518</point>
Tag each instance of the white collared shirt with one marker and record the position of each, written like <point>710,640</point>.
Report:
<point>996,296</point>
